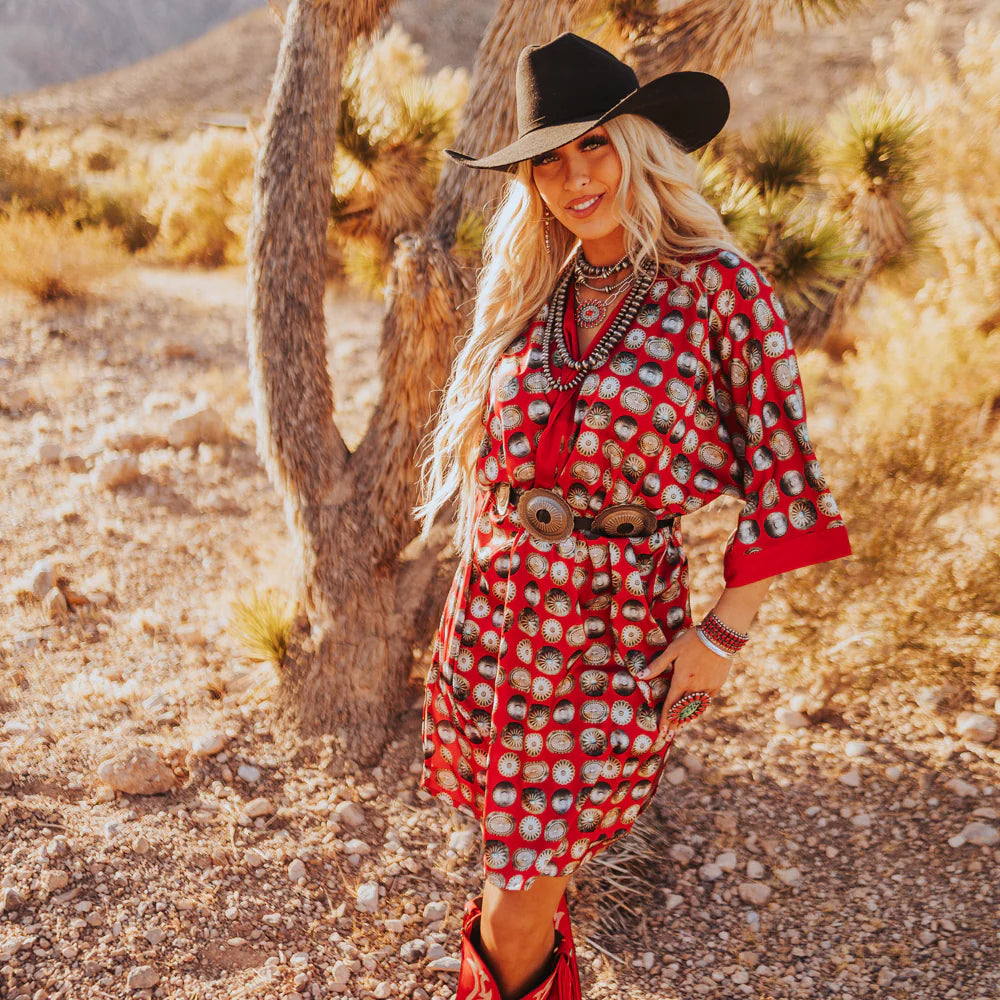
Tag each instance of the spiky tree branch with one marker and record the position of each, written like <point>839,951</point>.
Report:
<point>823,244</point>
<point>717,35</point>
<point>876,148</point>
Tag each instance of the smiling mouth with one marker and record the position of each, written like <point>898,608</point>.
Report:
<point>585,205</point>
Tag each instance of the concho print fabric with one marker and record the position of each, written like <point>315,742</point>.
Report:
<point>534,720</point>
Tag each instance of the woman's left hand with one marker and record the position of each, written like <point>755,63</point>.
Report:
<point>696,668</point>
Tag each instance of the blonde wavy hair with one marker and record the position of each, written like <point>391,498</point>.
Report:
<point>668,218</point>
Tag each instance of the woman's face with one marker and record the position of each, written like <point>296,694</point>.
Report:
<point>578,182</point>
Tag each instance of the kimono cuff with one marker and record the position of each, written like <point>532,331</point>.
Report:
<point>822,546</point>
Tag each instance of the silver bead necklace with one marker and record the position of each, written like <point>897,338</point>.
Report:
<point>612,288</point>
<point>601,351</point>
<point>582,266</point>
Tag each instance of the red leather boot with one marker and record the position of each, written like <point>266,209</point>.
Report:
<point>476,982</point>
<point>567,985</point>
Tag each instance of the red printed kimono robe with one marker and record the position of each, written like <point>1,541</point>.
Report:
<point>533,719</point>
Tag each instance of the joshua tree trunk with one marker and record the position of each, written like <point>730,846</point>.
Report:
<point>364,600</point>
<point>303,451</point>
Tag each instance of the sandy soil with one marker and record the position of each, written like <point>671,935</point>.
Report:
<point>776,862</point>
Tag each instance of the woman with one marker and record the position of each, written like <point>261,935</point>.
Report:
<point>627,365</point>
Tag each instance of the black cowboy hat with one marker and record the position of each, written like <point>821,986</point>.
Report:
<point>569,85</point>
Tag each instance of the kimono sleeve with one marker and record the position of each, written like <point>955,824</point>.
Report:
<point>790,518</point>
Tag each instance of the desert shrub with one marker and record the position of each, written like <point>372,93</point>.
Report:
<point>101,160</point>
<point>911,605</point>
<point>919,602</point>
<point>113,201</point>
<point>100,151</point>
<point>120,209</point>
<point>200,201</point>
<point>958,99</point>
<point>52,258</point>
<point>15,121</point>
<point>36,187</point>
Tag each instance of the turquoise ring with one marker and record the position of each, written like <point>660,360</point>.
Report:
<point>688,707</point>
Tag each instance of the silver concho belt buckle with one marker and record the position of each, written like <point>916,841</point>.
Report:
<point>624,520</point>
<point>545,514</point>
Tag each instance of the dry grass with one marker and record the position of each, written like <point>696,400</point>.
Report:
<point>50,258</point>
<point>912,460</point>
<point>617,888</point>
<point>919,601</point>
<point>36,187</point>
<point>261,623</point>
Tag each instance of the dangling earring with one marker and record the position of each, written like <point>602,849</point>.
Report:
<point>548,244</point>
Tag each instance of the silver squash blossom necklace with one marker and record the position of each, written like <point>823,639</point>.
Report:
<point>593,312</point>
<point>601,351</point>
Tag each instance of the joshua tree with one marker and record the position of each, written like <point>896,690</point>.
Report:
<point>368,592</point>
<point>823,241</point>
<point>350,653</point>
<point>875,149</point>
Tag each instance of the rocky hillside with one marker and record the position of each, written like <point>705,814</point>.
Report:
<point>229,69</point>
<point>802,69</point>
<point>52,41</point>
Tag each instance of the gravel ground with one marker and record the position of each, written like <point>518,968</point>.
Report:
<point>790,852</point>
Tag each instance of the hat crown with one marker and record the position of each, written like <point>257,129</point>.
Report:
<point>568,79</point>
<point>569,85</point>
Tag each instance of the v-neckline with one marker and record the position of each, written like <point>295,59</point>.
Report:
<point>557,441</point>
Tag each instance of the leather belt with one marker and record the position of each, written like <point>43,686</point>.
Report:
<point>547,515</point>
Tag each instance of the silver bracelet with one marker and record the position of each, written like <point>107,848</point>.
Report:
<point>711,645</point>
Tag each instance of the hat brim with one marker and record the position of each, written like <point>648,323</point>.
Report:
<point>691,107</point>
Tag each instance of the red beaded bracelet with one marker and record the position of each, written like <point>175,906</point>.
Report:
<point>721,635</point>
